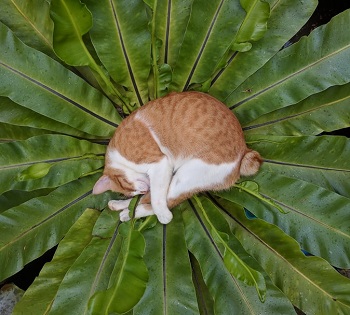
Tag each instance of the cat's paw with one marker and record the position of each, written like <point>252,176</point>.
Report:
<point>165,217</point>
<point>118,205</point>
<point>124,215</point>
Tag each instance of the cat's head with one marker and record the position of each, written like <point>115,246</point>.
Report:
<point>118,181</point>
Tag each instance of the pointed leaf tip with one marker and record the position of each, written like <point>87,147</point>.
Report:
<point>254,26</point>
<point>35,171</point>
<point>72,20</point>
<point>130,275</point>
<point>235,266</point>
<point>252,188</point>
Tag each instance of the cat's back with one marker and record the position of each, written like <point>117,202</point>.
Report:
<point>194,124</point>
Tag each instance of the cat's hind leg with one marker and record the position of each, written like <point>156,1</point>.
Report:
<point>195,176</point>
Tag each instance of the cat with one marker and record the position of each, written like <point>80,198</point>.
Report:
<point>172,148</point>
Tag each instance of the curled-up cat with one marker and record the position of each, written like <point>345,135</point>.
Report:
<point>172,148</point>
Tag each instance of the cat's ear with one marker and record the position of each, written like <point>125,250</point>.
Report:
<point>103,184</point>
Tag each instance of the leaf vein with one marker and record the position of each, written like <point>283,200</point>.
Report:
<point>307,166</point>
<point>56,93</point>
<point>199,56</point>
<point>51,216</point>
<point>271,122</point>
<point>290,76</point>
<point>328,227</point>
<point>128,64</point>
<point>44,161</point>
<point>275,252</point>
<point>221,256</point>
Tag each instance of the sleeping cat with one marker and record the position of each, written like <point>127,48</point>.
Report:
<point>172,148</point>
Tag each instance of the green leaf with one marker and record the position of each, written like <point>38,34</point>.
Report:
<point>161,75</point>
<point>14,198</point>
<point>200,52</point>
<point>240,47</point>
<point>35,171</point>
<point>43,81</point>
<point>301,278</point>
<point>37,225</point>
<point>72,20</point>
<point>169,25</point>
<point>276,302</point>
<point>252,29</point>
<point>252,188</point>
<point>40,295</point>
<point>165,78</point>
<point>72,159</point>
<point>233,263</point>
<point>128,279</point>
<point>204,298</point>
<point>123,47</point>
<point>31,23</point>
<point>91,271</point>
<point>190,42</point>
<point>230,296</point>
<point>320,160</point>
<point>220,282</point>
<point>254,25</point>
<point>319,220</point>
<point>11,132</point>
<point>325,111</point>
<point>170,282</point>
<point>132,206</point>
<point>14,114</point>
<point>282,26</point>
<point>324,49</point>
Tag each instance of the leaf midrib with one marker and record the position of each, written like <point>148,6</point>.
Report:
<point>206,38</point>
<point>277,254</point>
<point>128,64</point>
<point>32,24</point>
<point>58,94</point>
<point>302,214</point>
<point>102,264</point>
<point>288,77</point>
<point>221,256</point>
<point>308,111</point>
<point>323,168</point>
<point>44,161</point>
<point>50,217</point>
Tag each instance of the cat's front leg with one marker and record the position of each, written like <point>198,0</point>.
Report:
<point>118,205</point>
<point>143,210</point>
<point>160,175</point>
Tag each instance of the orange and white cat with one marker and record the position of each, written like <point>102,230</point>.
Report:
<point>172,148</point>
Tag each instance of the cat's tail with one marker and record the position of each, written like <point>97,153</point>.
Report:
<point>250,163</point>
